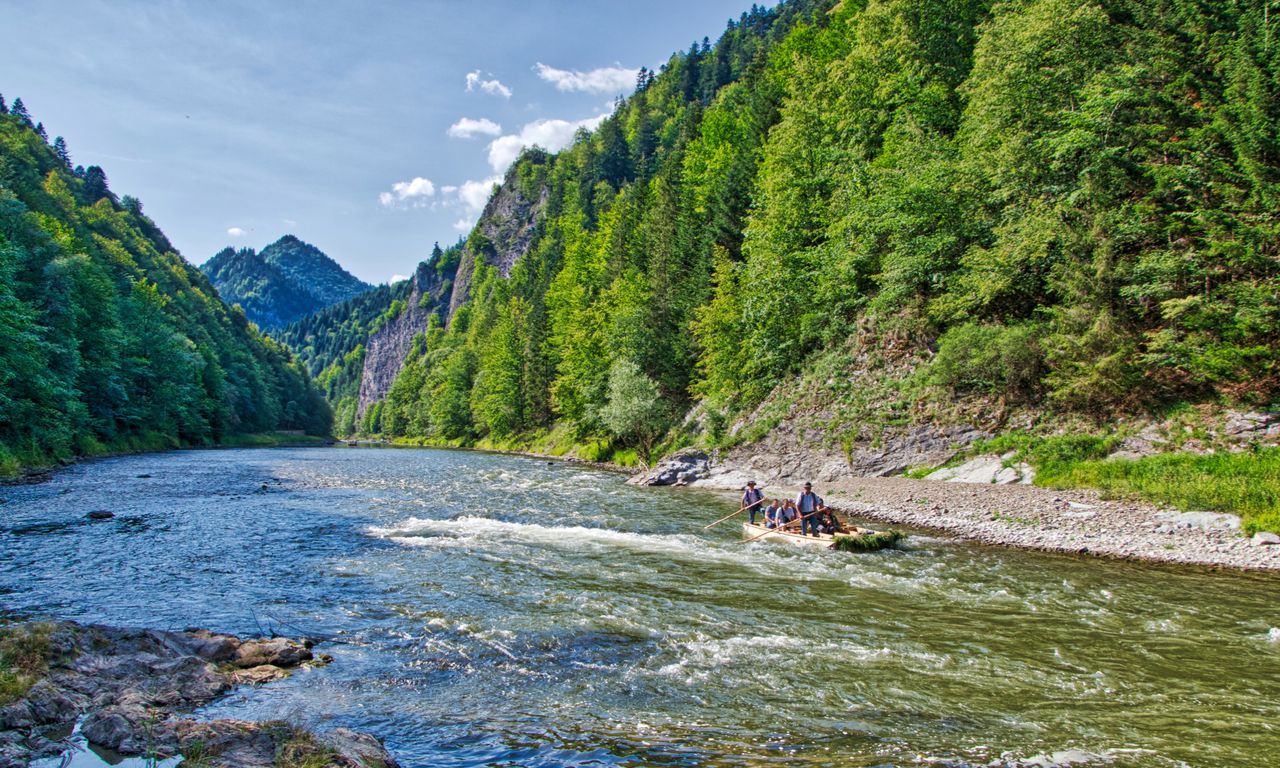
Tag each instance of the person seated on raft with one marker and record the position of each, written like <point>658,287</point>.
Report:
<point>827,522</point>
<point>751,497</point>
<point>787,515</point>
<point>772,513</point>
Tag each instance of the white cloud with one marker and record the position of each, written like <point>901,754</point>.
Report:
<point>602,80</point>
<point>411,194</point>
<point>398,278</point>
<point>468,128</point>
<point>551,135</point>
<point>289,222</point>
<point>463,225</point>
<point>474,194</point>
<point>492,87</point>
<point>236,232</point>
<point>448,189</point>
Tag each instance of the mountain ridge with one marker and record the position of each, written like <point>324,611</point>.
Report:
<point>287,280</point>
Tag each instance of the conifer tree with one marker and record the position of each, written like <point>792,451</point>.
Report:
<point>19,110</point>
<point>60,148</point>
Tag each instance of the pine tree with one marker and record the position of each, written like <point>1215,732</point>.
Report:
<point>19,110</point>
<point>60,148</point>
<point>95,185</point>
<point>4,108</point>
<point>42,133</point>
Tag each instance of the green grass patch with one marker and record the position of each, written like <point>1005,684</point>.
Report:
<point>1246,484</point>
<point>299,748</point>
<point>868,542</point>
<point>626,458</point>
<point>25,651</point>
<point>1045,453</point>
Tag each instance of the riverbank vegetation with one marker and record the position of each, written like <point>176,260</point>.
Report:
<point>1060,207</point>
<point>109,340</point>
<point>1246,484</point>
<point>25,650</point>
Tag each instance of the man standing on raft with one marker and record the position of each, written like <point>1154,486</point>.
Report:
<point>809,504</point>
<point>752,498</point>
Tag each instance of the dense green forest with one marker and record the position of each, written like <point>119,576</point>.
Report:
<point>287,280</point>
<point>109,340</point>
<point>890,204</point>
<point>331,344</point>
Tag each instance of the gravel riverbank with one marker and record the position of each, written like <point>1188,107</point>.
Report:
<point>1027,516</point>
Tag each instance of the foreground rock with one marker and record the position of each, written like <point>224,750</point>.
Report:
<point>129,686</point>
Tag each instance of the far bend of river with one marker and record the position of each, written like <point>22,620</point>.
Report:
<point>503,611</point>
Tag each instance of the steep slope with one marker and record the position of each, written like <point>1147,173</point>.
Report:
<point>884,222</point>
<point>357,349</point>
<point>289,279</point>
<point>109,340</point>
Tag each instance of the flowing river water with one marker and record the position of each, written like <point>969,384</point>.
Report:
<point>494,610</point>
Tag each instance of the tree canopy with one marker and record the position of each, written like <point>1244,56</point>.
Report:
<point>109,340</point>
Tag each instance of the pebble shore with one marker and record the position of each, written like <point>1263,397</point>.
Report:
<point>1031,517</point>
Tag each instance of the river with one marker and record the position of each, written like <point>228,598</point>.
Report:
<point>495,610</point>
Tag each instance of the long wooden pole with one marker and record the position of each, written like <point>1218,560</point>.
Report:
<point>726,517</point>
<point>780,528</point>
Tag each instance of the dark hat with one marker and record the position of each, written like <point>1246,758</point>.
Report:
<point>751,482</point>
<point>808,485</point>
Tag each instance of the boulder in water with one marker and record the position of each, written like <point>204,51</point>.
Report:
<point>278,652</point>
<point>100,514</point>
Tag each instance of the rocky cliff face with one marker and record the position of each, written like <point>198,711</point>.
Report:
<point>388,346</point>
<point>502,237</point>
<point>506,230</point>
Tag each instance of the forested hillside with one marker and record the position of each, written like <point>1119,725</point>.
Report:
<point>355,349</point>
<point>109,340</point>
<point>878,212</point>
<point>289,279</point>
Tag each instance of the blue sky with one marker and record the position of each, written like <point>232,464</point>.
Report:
<point>369,129</point>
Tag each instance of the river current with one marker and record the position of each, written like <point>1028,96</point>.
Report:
<point>498,611</point>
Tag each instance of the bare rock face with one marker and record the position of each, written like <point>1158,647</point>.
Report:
<point>791,456</point>
<point>128,683</point>
<point>987,469</point>
<point>503,236</point>
<point>505,229</point>
<point>387,348</point>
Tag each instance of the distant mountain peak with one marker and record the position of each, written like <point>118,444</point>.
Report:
<point>283,282</point>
